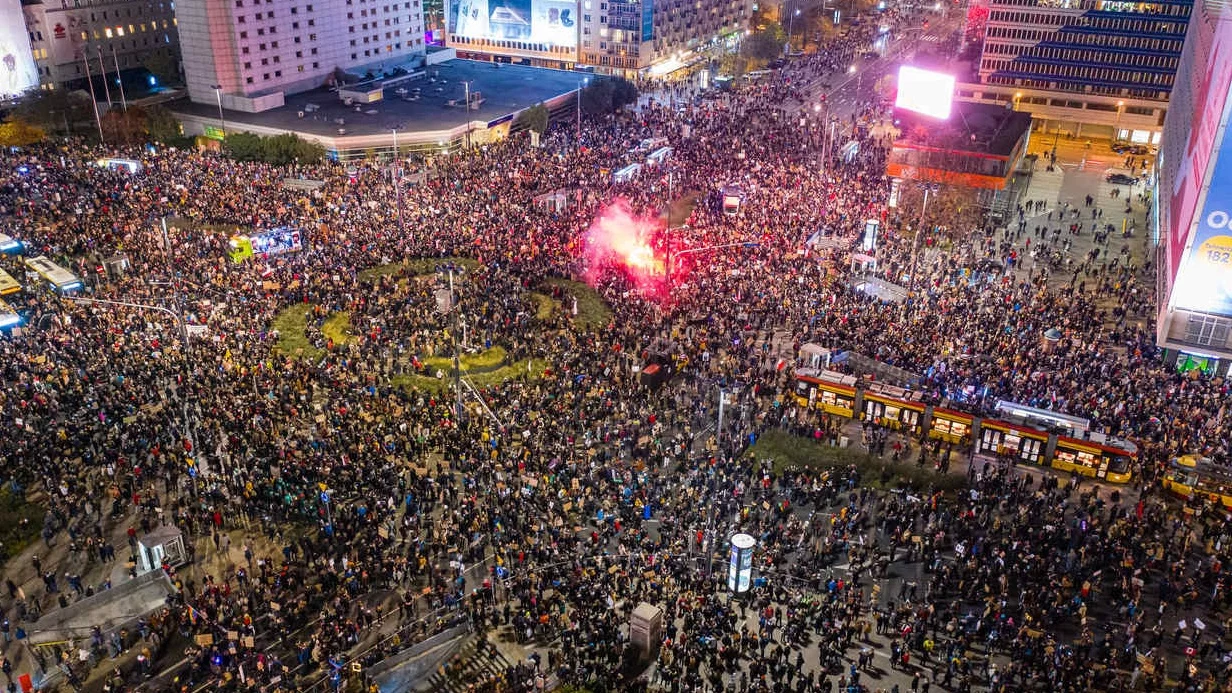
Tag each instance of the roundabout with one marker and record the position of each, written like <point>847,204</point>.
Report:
<point>409,306</point>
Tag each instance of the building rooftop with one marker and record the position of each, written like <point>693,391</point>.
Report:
<point>506,89</point>
<point>979,128</point>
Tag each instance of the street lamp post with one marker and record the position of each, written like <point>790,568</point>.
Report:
<point>190,425</point>
<point>791,22</point>
<point>581,83</point>
<point>467,84</point>
<point>221,120</point>
<point>398,182</point>
<point>671,257</point>
<point>915,244</point>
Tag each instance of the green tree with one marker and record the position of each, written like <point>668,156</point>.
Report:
<point>534,118</point>
<point>764,44</point>
<point>243,146</point>
<point>597,98</point>
<point>57,111</point>
<point>624,93</point>
<point>18,133</point>
<point>163,66</point>
<point>124,127</point>
<point>161,125</point>
<point>307,152</point>
<point>279,149</point>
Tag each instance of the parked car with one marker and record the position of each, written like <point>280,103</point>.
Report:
<point>1121,179</point>
<point>1135,149</point>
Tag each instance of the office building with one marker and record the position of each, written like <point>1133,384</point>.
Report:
<point>1087,68</point>
<point>249,54</point>
<point>67,39</point>
<point>630,38</point>
<point>1193,201</point>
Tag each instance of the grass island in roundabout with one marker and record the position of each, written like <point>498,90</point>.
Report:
<point>311,331</point>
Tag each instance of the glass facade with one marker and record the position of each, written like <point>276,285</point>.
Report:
<point>1118,48</point>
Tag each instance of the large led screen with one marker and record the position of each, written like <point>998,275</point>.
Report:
<point>1204,280</point>
<point>545,22</point>
<point>924,91</point>
<point>17,70</point>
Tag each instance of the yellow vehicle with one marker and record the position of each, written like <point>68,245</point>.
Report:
<point>8,285</point>
<point>1192,476</point>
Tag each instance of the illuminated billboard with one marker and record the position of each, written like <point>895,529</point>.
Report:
<point>17,70</point>
<point>924,91</point>
<point>1204,280</point>
<point>537,23</point>
<point>1190,131</point>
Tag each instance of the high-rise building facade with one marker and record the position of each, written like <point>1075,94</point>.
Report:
<point>1193,200</point>
<point>249,53</point>
<point>1089,68</point>
<point>67,39</point>
<point>620,37</point>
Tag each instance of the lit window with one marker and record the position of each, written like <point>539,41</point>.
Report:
<point>107,32</point>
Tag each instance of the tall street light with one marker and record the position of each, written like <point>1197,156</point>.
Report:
<point>581,83</point>
<point>791,21</point>
<point>398,181</point>
<point>222,121</point>
<point>190,426</point>
<point>915,244</point>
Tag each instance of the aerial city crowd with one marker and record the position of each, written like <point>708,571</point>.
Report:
<point>366,497</point>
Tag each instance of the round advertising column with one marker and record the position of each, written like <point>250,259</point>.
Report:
<point>740,565</point>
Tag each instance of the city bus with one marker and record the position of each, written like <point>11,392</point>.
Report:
<point>1023,434</point>
<point>8,316</point>
<point>59,279</point>
<point>8,285</point>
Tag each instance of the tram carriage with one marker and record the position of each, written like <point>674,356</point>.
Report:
<point>1025,434</point>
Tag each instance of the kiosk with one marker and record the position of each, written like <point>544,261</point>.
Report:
<point>740,565</point>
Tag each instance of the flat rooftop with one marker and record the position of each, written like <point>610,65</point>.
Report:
<point>981,128</point>
<point>506,89</point>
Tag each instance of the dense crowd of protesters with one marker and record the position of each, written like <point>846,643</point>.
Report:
<point>577,490</point>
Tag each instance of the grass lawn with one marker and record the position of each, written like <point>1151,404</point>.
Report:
<point>20,523</point>
<point>292,324</point>
<point>790,451</point>
<point>422,265</point>
<point>480,379</point>
<point>544,305</point>
<point>485,360</point>
<point>593,312</point>
<point>337,327</point>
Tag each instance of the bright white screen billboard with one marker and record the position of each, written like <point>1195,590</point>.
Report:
<point>538,23</point>
<point>17,70</point>
<point>924,91</point>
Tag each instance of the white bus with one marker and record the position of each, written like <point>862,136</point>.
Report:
<point>627,173</point>
<point>658,156</point>
<point>61,280</point>
<point>128,165</point>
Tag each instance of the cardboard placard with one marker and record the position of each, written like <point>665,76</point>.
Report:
<point>248,641</point>
<point>275,606</point>
<point>205,639</point>
<point>233,635</point>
